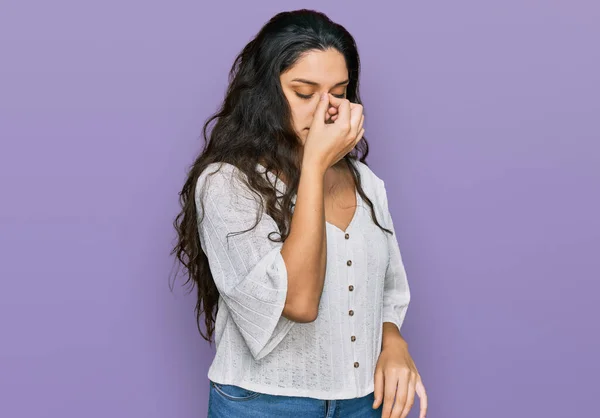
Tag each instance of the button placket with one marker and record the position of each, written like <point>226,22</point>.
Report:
<point>350,269</point>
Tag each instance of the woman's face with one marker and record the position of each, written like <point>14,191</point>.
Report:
<point>314,73</point>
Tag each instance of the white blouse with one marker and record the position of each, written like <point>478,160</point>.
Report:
<point>333,357</point>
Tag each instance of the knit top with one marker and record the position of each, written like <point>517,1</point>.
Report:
<point>257,348</point>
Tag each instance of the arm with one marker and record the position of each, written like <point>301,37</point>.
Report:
<point>305,249</point>
<point>248,268</point>
<point>392,336</point>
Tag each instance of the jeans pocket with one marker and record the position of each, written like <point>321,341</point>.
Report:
<point>234,393</point>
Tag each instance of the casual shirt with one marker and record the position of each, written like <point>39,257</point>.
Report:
<point>257,348</point>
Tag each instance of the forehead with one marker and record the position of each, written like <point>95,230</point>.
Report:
<point>323,67</point>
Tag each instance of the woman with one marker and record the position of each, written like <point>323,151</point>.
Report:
<point>286,233</point>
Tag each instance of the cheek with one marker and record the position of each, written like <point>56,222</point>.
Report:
<point>302,113</point>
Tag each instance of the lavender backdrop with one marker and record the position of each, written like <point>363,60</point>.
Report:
<point>483,119</point>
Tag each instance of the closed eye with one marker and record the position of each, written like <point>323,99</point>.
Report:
<point>308,96</point>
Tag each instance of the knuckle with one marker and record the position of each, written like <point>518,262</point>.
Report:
<point>400,370</point>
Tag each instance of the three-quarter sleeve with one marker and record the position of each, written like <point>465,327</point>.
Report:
<point>248,268</point>
<point>396,292</point>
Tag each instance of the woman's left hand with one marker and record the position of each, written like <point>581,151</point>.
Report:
<point>396,376</point>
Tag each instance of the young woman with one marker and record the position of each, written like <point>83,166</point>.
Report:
<point>286,233</point>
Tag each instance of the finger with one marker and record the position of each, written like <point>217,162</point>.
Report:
<point>356,114</point>
<point>343,118</point>
<point>332,113</point>
<point>356,107</point>
<point>410,397</point>
<point>362,121</point>
<point>401,395</point>
<point>378,393</point>
<point>319,115</point>
<point>420,389</point>
<point>359,137</point>
<point>335,101</point>
<point>389,392</point>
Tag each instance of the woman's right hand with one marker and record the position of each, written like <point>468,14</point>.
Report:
<point>328,142</point>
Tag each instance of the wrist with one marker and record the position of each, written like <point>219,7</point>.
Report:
<point>314,166</point>
<point>391,336</point>
<point>395,342</point>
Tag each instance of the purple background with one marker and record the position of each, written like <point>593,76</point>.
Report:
<point>483,119</point>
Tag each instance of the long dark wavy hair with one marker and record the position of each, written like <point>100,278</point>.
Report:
<point>253,125</point>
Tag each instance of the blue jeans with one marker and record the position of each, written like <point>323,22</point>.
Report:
<point>228,401</point>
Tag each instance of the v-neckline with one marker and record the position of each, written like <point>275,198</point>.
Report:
<point>354,216</point>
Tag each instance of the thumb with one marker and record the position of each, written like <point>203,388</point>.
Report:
<point>322,106</point>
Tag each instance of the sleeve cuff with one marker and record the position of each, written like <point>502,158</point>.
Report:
<point>257,303</point>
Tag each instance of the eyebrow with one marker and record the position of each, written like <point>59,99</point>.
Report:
<point>312,83</point>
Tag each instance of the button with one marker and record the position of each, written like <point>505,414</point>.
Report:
<point>356,364</point>
<point>353,338</point>
<point>351,312</point>
<point>349,262</point>
<point>347,236</point>
<point>351,288</point>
